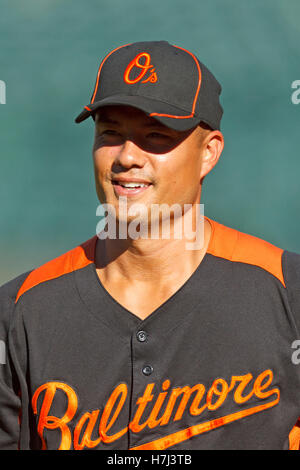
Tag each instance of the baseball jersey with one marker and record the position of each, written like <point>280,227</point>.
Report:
<point>210,368</point>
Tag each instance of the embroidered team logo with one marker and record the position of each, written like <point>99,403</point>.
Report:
<point>195,401</point>
<point>142,62</point>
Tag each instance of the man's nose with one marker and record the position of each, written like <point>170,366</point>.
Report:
<point>130,154</point>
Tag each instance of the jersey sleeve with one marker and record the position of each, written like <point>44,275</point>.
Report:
<point>291,273</point>
<point>10,402</point>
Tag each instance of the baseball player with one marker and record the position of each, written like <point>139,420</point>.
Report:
<point>135,343</point>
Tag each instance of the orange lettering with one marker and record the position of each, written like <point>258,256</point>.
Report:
<point>86,438</point>
<point>215,397</point>
<point>244,379</point>
<point>104,427</point>
<point>142,402</point>
<point>258,387</point>
<point>194,410</point>
<point>52,422</point>
<point>185,434</point>
<point>186,391</point>
<point>144,68</point>
<point>215,391</point>
<point>152,422</point>
<point>152,78</point>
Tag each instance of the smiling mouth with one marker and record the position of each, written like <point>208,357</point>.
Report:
<point>129,188</point>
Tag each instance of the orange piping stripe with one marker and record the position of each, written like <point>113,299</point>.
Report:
<point>100,68</point>
<point>184,434</point>
<point>73,260</point>
<point>196,94</point>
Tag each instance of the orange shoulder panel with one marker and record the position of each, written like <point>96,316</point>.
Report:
<point>74,259</point>
<point>237,246</point>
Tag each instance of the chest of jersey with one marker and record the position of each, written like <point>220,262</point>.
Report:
<point>205,370</point>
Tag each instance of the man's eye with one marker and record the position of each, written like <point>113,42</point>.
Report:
<point>110,132</point>
<point>157,135</point>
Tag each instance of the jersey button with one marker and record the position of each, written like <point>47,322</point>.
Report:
<point>147,370</point>
<point>141,336</point>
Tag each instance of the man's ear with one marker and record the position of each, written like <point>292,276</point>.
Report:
<point>212,148</point>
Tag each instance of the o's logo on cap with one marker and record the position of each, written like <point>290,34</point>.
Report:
<point>144,69</point>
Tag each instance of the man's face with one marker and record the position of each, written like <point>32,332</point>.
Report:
<point>131,145</point>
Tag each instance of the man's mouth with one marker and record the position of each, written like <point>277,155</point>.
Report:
<point>130,188</point>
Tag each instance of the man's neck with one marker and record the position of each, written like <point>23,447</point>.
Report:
<point>151,261</point>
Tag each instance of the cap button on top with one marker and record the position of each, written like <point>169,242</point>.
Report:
<point>141,336</point>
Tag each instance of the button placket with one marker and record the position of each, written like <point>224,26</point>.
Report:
<point>142,337</point>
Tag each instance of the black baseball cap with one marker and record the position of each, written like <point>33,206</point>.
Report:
<point>165,81</point>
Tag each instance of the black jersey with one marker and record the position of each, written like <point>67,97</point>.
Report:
<point>213,367</point>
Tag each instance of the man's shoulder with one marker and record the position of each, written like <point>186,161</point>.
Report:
<point>9,290</point>
<point>291,268</point>
<point>237,246</point>
<point>56,268</point>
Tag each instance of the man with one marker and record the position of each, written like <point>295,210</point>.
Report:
<point>154,342</point>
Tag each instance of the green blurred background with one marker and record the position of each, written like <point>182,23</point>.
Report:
<point>50,53</point>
